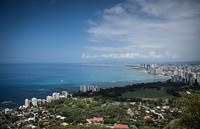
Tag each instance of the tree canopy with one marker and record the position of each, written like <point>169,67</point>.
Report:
<point>190,107</point>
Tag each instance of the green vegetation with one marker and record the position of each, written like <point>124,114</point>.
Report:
<point>190,107</point>
<point>78,110</point>
<point>143,90</point>
<point>147,93</point>
<point>78,127</point>
<point>145,106</point>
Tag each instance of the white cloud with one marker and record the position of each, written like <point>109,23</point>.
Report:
<point>151,54</point>
<point>84,56</point>
<point>143,25</point>
<point>122,48</point>
<point>121,56</point>
<point>154,55</point>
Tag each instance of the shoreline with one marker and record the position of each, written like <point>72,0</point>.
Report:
<point>42,90</point>
<point>14,104</point>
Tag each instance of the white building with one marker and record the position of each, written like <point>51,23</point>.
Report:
<point>85,88</point>
<point>7,110</point>
<point>34,101</point>
<point>39,101</point>
<point>65,94</point>
<point>27,103</point>
<point>56,96</point>
<point>49,99</point>
<point>44,101</point>
<point>198,77</point>
<point>95,89</point>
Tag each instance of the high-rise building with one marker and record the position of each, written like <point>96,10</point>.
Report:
<point>49,99</point>
<point>198,77</point>
<point>192,80</point>
<point>34,101</point>
<point>56,96</point>
<point>187,76</point>
<point>65,94</point>
<point>44,101</point>
<point>85,88</point>
<point>39,101</point>
<point>7,110</point>
<point>27,103</point>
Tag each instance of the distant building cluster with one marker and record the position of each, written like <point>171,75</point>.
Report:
<point>55,96</point>
<point>178,73</point>
<point>85,88</point>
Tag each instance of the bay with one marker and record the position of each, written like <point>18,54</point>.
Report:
<point>21,81</point>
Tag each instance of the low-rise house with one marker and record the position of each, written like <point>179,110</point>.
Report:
<point>59,116</point>
<point>120,126</point>
<point>166,107</point>
<point>130,112</point>
<point>64,124</point>
<point>62,118</point>
<point>46,123</point>
<point>147,117</point>
<point>96,120</point>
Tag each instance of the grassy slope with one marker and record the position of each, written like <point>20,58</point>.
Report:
<point>147,93</point>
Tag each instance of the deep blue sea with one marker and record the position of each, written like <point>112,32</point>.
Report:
<point>21,81</point>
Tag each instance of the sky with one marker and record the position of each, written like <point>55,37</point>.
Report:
<point>76,31</point>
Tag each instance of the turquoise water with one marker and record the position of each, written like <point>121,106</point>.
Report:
<point>20,81</point>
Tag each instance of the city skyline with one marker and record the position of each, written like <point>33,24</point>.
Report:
<point>53,31</point>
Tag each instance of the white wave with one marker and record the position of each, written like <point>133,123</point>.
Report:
<point>6,102</point>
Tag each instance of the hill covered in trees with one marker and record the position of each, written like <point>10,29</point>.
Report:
<point>144,106</point>
<point>134,92</point>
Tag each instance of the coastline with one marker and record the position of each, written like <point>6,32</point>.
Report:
<point>74,89</point>
<point>45,79</point>
<point>167,76</point>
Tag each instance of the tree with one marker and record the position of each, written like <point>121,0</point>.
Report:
<point>3,126</point>
<point>190,107</point>
<point>14,119</point>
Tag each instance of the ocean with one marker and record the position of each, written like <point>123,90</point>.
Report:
<point>21,81</point>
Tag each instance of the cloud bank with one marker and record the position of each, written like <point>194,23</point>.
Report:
<point>143,28</point>
<point>151,54</point>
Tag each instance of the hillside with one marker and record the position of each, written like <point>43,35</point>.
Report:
<point>134,92</point>
<point>142,106</point>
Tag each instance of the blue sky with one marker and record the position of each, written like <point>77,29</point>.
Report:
<point>43,31</point>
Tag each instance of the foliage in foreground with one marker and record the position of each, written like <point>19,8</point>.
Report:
<point>77,127</point>
<point>190,107</point>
